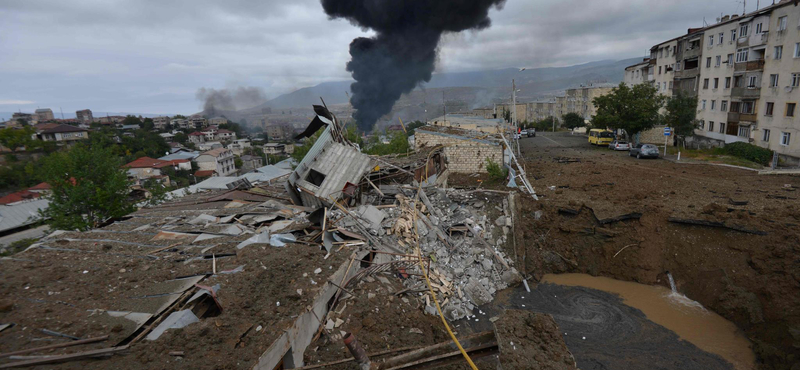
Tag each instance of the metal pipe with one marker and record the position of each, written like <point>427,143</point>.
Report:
<point>357,351</point>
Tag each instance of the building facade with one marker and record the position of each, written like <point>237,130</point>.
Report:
<point>44,114</point>
<point>84,116</point>
<point>219,160</point>
<point>638,73</point>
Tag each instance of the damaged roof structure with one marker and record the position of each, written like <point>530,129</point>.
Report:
<point>261,275</point>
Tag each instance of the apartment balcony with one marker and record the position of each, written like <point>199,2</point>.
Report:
<point>733,117</point>
<point>753,65</point>
<point>687,73</point>
<point>746,92</point>
<point>747,117</point>
<point>692,53</point>
<point>754,40</point>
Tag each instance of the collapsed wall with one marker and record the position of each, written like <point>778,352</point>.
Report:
<point>467,152</point>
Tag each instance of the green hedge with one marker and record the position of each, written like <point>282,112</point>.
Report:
<point>749,152</point>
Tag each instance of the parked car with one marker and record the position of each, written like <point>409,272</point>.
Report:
<point>523,133</point>
<point>531,132</point>
<point>644,151</point>
<point>619,145</point>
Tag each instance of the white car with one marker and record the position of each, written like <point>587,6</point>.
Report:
<point>619,145</point>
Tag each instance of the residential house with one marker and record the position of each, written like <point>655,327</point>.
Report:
<point>146,168</point>
<point>198,122</point>
<point>197,137</point>
<point>210,133</point>
<point>216,121</point>
<point>238,146</point>
<point>251,162</point>
<point>85,116</point>
<point>111,120</point>
<point>662,60</point>
<point>686,76</point>
<point>226,135</point>
<point>639,73</point>
<point>278,132</point>
<point>60,132</point>
<point>31,119</point>
<point>167,136</point>
<point>274,149</point>
<point>219,160</point>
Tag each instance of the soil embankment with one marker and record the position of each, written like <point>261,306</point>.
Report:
<point>605,214</point>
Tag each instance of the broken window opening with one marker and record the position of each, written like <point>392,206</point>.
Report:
<point>315,177</point>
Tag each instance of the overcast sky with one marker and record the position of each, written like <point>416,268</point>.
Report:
<point>151,56</point>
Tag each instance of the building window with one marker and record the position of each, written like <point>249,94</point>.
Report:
<point>727,82</point>
<point>782,23</point>
<point>713,105</point>
<point>705,84</point>
<point>769,109</point>
<point>742,54</point>
<point>659,69</point>
<point>710,126</point>
<point>773,80</point>
<point>721,127</point>
<point>721,37</point>
<point>710,40</point>
<point>752,81</point>
<point>790,109</point>
<point>797,50</point>
<point>795,79</point>
<point>670,84</point>
<point>744,132</point>
<point>665,85</point>
<point>702,125</point>
<point>765,136</point>
<point>786,137</point>
<point>747,107</point>
<point>716,83</point>
<point>703,104</point>
<point>730,60</point>
<point>733,35</point>
<point>744,30</point>
<point>735,106</point>
<point>758,28</point>
<point>738,81</point>
<point>778,52</point>
<point>719,61</point>
<point>708,62</point>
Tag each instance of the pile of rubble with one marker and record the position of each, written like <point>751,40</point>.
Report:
<point>459,234</point>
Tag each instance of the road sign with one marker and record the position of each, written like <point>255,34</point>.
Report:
<point>667,131</point>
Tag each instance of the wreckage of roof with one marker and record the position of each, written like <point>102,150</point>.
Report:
<point>21,213</point>
<point>461,134</point>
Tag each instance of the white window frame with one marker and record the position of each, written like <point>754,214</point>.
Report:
<point>703,104</point>
<point>723,106</point>
<point>774,79</point>
<point>797,50</point>
<point>721,37</point>
<point>795,79</point>
<point>719,61</point>
<point>711,40</point>
<point>767,111</point>
<point>722,127</point>
<point>778,52</point>
<point>733,35</point>
<point>752,81</point>
<point>744,132</point>
<point>782,23</point>
<point>710,126</point>
<point>786,138</point>
<point>744,30</point>
<point>713,105</point>
<point>765,135</point>
<point>702,125</point>
<point>759,28</point>
<point>742,55</point>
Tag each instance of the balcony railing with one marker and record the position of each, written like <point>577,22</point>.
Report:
<point>753,65</point>
<point>687,73</point>
<point>749,117</point>
<point>746,92</point>
<point>733,116</point>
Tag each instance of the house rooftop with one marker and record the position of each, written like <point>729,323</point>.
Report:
<point>19,196</point>
<point>144,162</point>
<point>216,152</point>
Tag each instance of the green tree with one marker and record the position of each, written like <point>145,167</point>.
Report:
<point>302,150</point>
<point>507,115</point>
<point>15,138</point>
<point>573,121</point>
<point>232,126</point>
<point>398,143</point>
<point>132,120</point>
<point>237,162</point>
<point>148,124</point>
<point>413,126</point>
<point>631,109</point>
<point>158,192</point>
<point>88,186</point>
<point>681,111</point>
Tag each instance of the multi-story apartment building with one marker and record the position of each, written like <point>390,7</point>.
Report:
<point>638,73</point>
<point>662,61</point>
<point>85,116</point>
<point>777,125</point>
<point>745,72</point>
<point>161,122</point>
<point>44,114</point>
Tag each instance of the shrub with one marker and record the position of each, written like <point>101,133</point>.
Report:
<point>496,172</point>
<point>17,246</point>
<point>749,152</point>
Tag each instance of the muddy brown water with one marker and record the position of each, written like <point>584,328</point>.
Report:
<point>688,319</point>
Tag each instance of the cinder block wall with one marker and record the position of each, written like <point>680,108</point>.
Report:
<point>653,136</point>
<point>463,156</point>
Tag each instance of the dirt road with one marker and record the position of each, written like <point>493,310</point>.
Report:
<point>730,237</point>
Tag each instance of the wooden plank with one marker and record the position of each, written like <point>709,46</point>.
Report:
<point>53,346</point>
<point>63,358</point>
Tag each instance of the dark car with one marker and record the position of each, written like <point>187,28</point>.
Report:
<point>644,151</point>
<point>531,132</point>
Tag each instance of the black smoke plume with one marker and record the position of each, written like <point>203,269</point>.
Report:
<point>403,53</point>
<point>215,102</point>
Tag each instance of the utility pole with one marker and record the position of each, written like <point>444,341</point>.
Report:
<point>444,109</point>
<point>514,113</point>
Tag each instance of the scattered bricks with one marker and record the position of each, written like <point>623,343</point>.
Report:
<point>477,293</point>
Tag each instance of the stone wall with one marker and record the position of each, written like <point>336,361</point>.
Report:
<point>463,154</point>
<point>653,136</point>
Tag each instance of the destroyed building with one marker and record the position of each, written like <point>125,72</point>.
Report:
<point>261,274</point>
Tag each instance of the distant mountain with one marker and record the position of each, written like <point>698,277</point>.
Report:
<point>533,82</point>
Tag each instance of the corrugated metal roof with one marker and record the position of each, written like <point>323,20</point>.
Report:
<point>180,155</point>
<point>20,214</point>
<point>272,171</point>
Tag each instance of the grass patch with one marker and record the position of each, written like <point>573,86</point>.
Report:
<point>714,155</point>
<point>17,246</point>
<point>496,172</point>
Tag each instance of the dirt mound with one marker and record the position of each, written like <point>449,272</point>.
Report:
<point>526,338</point>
